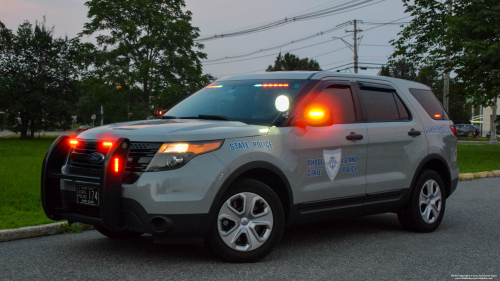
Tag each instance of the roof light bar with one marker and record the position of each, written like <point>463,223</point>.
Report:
<point>214,86</point>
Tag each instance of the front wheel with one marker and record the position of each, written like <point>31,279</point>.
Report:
<point>249,224</point>
<point>425,210</point>
<point>124,234</point>
<point>471,135</point>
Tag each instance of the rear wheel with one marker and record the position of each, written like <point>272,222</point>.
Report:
<point>425,210</point>
<point>124,234</point>
<point>249,223</point>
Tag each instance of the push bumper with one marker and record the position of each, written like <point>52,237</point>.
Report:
<point>114,212</point>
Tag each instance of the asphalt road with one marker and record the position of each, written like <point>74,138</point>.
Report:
<point>367,248</point>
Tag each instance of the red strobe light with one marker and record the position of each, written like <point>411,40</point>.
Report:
<point>117,164</point>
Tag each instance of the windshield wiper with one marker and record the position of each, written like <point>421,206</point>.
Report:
<point>167,117</point>
<point>208,117</point>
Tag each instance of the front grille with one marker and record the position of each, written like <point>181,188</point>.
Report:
<point>139,158</point>
<point>79,163</point>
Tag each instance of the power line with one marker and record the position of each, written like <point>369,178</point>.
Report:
<point>340,26</point>
<point>346,6</point>
<point>295,41</point>
<point>274,54</point>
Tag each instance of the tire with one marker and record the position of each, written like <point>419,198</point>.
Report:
<point>249,223</point>
<point>117,235</point>
<point>425,217</point>
<point>471,135</point>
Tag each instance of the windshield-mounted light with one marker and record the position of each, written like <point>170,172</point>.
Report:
<point>213,86</point>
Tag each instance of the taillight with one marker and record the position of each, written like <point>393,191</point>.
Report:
<point>453,129</point>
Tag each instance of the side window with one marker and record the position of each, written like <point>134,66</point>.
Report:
<point>430,103</point>
<point>379,106</point>
<point>403,112</point>
<point>338,98</point>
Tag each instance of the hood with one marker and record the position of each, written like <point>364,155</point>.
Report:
<point>173,130</point>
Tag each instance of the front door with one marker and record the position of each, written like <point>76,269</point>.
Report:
<point>332,157</point>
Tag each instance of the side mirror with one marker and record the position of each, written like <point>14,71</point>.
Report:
<point>317,115</point>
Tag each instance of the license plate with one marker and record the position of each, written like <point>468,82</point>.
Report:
<point>88,195</point>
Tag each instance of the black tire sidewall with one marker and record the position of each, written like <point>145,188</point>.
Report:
<point>219,247</point>
<point>413,209</point>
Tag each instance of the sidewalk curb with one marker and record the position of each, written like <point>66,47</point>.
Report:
<point>479,175</point>
<point>35,231</point>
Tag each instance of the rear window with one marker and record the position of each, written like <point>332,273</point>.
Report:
<point>430,103</point>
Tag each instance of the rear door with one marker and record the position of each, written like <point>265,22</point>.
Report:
<point>331,158</point>
<point>397,142</point>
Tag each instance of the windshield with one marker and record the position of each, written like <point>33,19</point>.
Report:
<point>247,101</point>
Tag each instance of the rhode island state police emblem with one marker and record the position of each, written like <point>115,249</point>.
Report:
<point>332,162</point>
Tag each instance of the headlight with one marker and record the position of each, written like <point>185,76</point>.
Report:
<point>175,155</point>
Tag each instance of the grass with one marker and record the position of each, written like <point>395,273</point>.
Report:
<point>473,139</point>
<point>20,170</point>
<point>21,165</point>
<point>478,158</point>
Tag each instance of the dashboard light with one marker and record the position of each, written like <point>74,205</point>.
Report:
<point>271,85</point>
<point>282,103</point>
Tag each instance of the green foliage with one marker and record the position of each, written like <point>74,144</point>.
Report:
<point>469,37</point>
<point>37,78</point>
<point>399,69</point>
<point>146,60</point>
<point>291,62</point>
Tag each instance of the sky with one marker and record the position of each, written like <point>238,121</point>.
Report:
<point>220,16</point>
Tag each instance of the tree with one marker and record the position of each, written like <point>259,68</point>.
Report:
<point>466,41</point>
<point>399,69</point>
<point>37,78</point>
<point>150,45</point>
<point>291,62</point>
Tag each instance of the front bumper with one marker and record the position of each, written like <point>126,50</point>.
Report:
<point>114,212</point>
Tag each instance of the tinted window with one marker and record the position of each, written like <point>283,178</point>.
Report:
<point>430,103</point>
<point>379,106</point>
<point>338,98</point>
<point>403,112</point>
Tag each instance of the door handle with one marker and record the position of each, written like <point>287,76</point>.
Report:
<point>414,133</point>
<point>354,136</point>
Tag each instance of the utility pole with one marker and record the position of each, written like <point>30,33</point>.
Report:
<point>354,47</point>
<point>446,87</point>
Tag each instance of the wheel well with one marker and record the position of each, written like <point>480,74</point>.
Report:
<point>275,182</point>
<point>439,167</point>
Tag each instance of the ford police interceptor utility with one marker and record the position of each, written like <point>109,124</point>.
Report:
<point>237,161</point>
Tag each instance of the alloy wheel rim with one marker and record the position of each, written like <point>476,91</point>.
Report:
<point>430,201</point>
<point>245,221</point>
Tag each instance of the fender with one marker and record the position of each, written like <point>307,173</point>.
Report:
<point>424,161</point>
<point>242,169</point>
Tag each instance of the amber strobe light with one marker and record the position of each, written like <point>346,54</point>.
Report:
<point>437,115</point>
<point>316,114</point>
<point>117,164</point>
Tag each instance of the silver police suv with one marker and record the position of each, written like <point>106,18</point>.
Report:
<point>236,162</point>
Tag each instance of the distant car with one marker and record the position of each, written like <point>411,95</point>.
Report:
<point>83,128</point>
<point>467,130</point>
<point>489,134</point>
